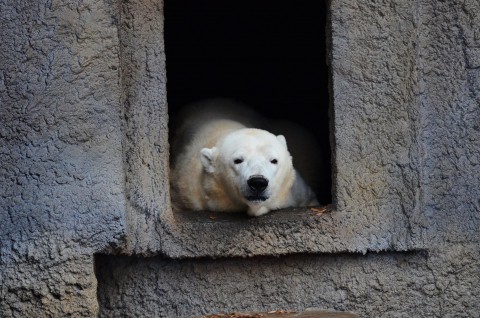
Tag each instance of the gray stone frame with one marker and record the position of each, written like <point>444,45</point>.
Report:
<point>375,141</point>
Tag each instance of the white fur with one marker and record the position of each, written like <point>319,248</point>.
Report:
<point>218,156</point>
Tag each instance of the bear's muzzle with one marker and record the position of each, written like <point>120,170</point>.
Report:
<point>257,185</point>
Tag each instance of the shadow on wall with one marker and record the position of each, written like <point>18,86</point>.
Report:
<point>268,55</point>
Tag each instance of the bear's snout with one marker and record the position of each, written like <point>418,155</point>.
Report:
<point>257,184</point>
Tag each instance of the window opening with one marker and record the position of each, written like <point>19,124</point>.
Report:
<point>269,55</point>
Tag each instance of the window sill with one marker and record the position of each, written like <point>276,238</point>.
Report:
<point>286,231</point>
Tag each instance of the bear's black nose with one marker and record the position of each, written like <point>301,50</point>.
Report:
<point>257,184</point>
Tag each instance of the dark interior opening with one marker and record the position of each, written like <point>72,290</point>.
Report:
<point>267,54</point>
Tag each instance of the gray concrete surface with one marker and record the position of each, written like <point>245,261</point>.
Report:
<point>440,283</point>
<point>62,195</point>
<point>84,172</point>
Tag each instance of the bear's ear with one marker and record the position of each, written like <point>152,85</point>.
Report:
<point>207,157</point>
<point>282,140</point>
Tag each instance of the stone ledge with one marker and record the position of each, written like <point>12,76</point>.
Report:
<point>294,230</point>
<point>290,215</point>
<point>286,314</point>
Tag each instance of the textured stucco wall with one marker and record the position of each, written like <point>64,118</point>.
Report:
<point>405,79</point>
<point>146,151</point>
<point>440,283</point>
<point>377,145</point>
<point>61,163</point>
<point>84,170</point>
<point>450,98</point>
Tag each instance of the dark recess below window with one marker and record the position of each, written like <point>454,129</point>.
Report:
<point>267,54</point>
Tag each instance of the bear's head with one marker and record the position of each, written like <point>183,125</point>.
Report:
<point>253,165</point>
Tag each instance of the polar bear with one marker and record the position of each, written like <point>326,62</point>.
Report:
<point>222,163</point>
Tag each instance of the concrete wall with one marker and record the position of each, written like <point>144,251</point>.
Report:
<point>62,193</point>
<point>440,283</point>
<point>84,171</point>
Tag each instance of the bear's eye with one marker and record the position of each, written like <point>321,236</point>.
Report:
<point>238,161</point>
<point>274,161</point>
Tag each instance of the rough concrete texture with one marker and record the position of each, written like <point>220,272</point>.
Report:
<point>61,170</point>
<point>374,91</point>
<point>146,149</point>
<point>377,147</point>
<point>84,170</point>
<point>153,228</point>
<point>49,288</point>
<point>450,112</point>
<point>440,283</point>
<point>405,92</point>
